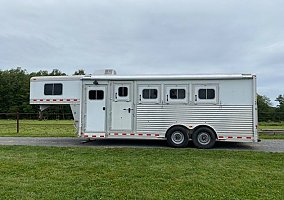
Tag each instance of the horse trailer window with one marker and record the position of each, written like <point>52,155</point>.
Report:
<point>96,94</point>
<point>53,89</point>
<point>206,94</point>
<point>150,93</point>
<point>123,91</point>
<point>177,93</point>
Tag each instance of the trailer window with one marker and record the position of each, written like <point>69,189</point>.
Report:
<point>150,93</point>
<point>123,91</point>
<point>53,89</point>
<point>177,93</point>
<point>206,94</point>
<point>96,94</point>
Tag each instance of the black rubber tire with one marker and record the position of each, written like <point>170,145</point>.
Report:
<point>178,137</point>
<point>203,138</point>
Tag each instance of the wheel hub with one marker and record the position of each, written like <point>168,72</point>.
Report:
<point>177,137</point>
<point>204,138</point>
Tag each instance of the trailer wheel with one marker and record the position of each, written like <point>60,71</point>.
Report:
<point>203,138</point>
<point>177,136</point>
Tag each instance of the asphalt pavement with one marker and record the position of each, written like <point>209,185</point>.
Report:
<point>264,145</point>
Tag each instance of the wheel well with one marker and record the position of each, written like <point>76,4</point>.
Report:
<point>174,127</point>
<point>203,126</point>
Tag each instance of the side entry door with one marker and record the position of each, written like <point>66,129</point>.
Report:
<point>122,106</point>
<point>95,108</point>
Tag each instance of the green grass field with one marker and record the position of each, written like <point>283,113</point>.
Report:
<point>36,128</point>
<point>65,128</point>
<point>122,173</point>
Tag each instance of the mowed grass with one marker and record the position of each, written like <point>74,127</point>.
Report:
<point>271,126</point>
<point>123,173</point>
<point>65,128</point>
<point>36,128</point>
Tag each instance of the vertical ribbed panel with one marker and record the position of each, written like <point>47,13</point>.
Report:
<point>224,119</point>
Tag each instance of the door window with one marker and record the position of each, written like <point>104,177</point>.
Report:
<point>96,94</point>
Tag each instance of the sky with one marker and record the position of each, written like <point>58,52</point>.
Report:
<point>147,37</point>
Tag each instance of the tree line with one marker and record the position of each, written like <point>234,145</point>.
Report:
<point>15,90</point>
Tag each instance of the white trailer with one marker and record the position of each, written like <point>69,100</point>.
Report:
<point>176,108</point>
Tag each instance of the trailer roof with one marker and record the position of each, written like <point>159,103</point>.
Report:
<point>169,77</point>
<point>146,77</point>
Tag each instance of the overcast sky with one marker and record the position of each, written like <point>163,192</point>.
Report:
<point>147,36</point>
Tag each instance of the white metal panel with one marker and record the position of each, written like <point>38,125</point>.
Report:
<point>71,91</point>
<point>122,108</point>
<point>224,119</point>
<point>95,111</point>
<point>122,113</point>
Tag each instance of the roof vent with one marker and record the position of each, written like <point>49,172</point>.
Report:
<point>105,72</point>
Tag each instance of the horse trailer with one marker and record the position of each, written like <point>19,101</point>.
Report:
<point>176,108</point>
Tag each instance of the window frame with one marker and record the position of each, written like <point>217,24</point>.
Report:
<point>142,100</point>
<point>116,96</point>
<point>169,87</point>
<point>207,87</point>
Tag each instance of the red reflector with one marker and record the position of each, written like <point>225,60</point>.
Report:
<point>115,133</point>
<point>156,135</point>
<point>132,134</point>
<point>230,137</point>
<point>123,133</point>
<point>94,136</point>
<point>239,137</point>
<point>248,137</point>
<point>140,134</point>
<point>148,134</point>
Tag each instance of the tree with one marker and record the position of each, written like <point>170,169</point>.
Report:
<point>265,109</point>
<point>79,72</point>
<point>280,108</point>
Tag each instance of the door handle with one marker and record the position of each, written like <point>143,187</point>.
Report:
<point>129,109</point>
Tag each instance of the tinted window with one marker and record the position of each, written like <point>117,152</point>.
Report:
<point>123,91</point>
<point>177,93</point>
<point>210,94</point>
<point>150,93</point>
<point>206,94</point>
<point>53,89</point>
<point>96,94</point>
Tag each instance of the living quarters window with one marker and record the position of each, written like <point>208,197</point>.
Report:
<point>206,94</point>
<point>53,89</point>
<point>96,94</point>
<point>150,93</point>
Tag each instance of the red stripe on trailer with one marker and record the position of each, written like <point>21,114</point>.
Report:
<point>47,99</point>
<point>123,133</point>
<point>94,136</point>
<point>140,134</point>
<point>230,137</point>
<point>75,99</point>
<point>54,99</point>
<point>249,137</point>
<point>132,134</point>
<point>157,134</point>
<point>115,133</point>
<point>67,99</point>
<point>35,100</point>
<point>221,137</point>
<point>148,134</point>
<point>61,100</point>
<point>239,137</point>
<point>41,99</point>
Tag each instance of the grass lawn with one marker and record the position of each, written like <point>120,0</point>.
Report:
<point>35,128</point>
<point>65,128</point>
<point>122,173</point>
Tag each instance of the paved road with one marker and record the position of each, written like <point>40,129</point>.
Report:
<point>264,145</point>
